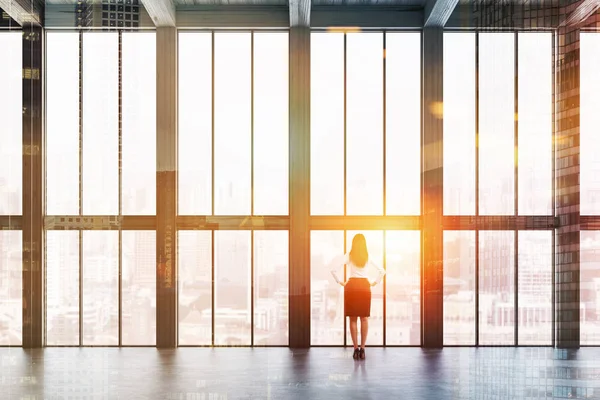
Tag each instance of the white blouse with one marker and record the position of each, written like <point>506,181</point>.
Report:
<point>337,265</point>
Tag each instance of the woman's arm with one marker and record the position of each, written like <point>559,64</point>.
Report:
<point>336,266</point>
<point>380,273</point>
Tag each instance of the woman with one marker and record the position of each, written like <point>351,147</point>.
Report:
<point>357,289</point>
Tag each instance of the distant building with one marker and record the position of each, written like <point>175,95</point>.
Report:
<point>116,14</point>
<point>84,14</point>
<point>6,20</point>
<point>121,13</point>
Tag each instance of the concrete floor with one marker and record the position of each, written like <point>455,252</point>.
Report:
<point>281,373</point>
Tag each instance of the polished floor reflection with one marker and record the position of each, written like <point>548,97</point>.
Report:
<point>281,373</point>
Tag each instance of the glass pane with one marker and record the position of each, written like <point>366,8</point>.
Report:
<point>326,296</point>
<point>459,123</point>
<point>195,123</point>
<point>589,311</point>
<point>403,288</point>
<point>403,123</point>
<point>195,287</point>
<point>375,249</point>
<point>100,123</point>
<point>271,123</point>
<point>100,288</point>
<point>327,124</point>
<point>11,123</point>
<point>496,124</point>
<point>535,288</point>
<point>62,288</point>
<point>232,288</point>
<point>139,124</point>
<point>535,123</point>
<point>62,123</point>
<point>11,288</point>
<point>590,123</point>
<point>232,123</point>
<point>364,123</point>
<point>496,288</point>
<point>271,283</point>
<point>138,288</point>
<point>459,288</point>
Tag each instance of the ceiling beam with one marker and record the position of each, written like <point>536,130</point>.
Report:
<point>437,12</point>
<point>162,12</point>
<point>24,11</point>
<point>582,12</point>
<point>300,13</point>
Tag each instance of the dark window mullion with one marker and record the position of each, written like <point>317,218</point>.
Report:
<point>554,45</point>
<point>44,257</point>
<point>80,288</point>
<point>212,290</point>
<point>252,186</point>
<point>516,187</point>
<point>252,123</point>
<point>384,182</point>
<point>422,190</point>
<point>120,166</point>
<point>345,279</point>
<point>345,162</point>
<point>477,287</point>
<point>252,288</point>
<point>80,242</point>
<point>477,187</point>
<point>212,144</point>
<point>384,287</point>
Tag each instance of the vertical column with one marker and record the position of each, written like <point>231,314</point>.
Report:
<point>567,196</point>
<point>166,186</point>
<point>299,167</point>
<point>431,181</point>
<point>33,188</point>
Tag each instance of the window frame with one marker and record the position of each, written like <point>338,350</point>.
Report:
<point>400,222</point>
<point>515,222</point>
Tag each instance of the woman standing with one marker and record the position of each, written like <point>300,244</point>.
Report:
<point>357,289</point>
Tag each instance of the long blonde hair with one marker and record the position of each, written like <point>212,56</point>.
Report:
<point>359,254</point>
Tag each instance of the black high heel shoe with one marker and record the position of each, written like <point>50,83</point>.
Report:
<point>356,354</point>
<point>361,354</point>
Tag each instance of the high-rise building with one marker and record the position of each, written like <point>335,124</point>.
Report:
<point>121,13</point>
<point>84,14</point>
<point>116,14</point>
<point>5,20</point>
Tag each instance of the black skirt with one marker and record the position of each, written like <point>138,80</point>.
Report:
<point>357,298</point>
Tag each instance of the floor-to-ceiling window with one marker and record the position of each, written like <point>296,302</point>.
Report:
<point>498,121</point>
<point>100,188</point>
<point>233,216</point>
<point>233,188</point>
<point>11,144</point>
<point>589,168</point>
<point>365,177</point>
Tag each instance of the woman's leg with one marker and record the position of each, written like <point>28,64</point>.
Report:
<point>364,330</point>
<point>354,331</point>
